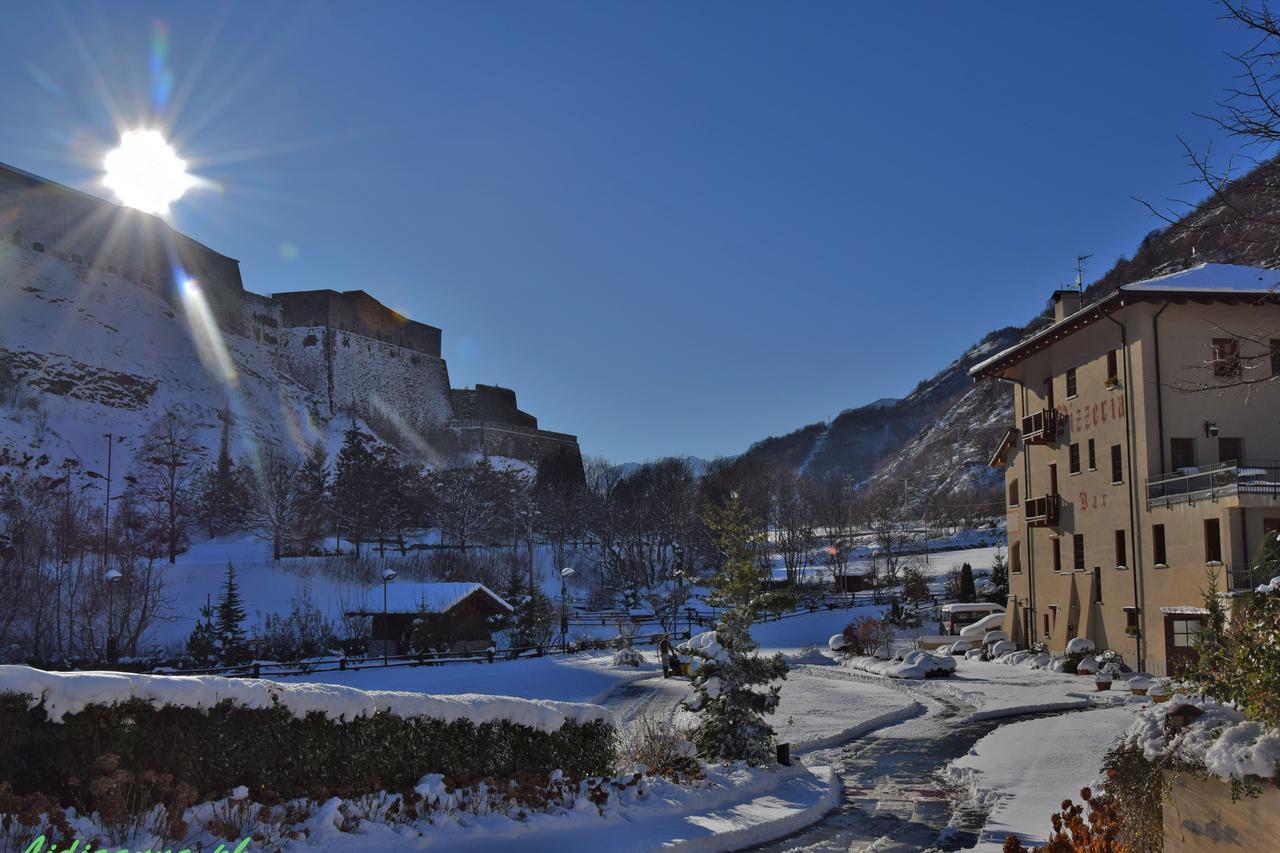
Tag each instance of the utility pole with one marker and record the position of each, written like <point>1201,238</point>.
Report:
<point>106,513</point>
<point>1080,259</point>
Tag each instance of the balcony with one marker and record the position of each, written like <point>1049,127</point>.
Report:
<point>1243,577</point>
<point>1225,479</point>
<point>1040,427</point>
<point>1042,511</point>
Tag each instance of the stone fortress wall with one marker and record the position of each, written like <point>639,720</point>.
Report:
<point>347,348</point>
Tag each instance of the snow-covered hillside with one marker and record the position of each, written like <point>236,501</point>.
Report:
<point>91,353</point>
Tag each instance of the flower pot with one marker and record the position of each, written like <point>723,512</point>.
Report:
<point>1138,691</point>
<point>1102,685</point>
<point>1159,697</point>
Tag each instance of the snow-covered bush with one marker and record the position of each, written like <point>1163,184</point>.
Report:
<point>628,657</point>
<point>1002,647</point>
<point>1079,644</point>
<point>994,637</point>
<point>655,745</point>
<point>912,665</point>
<point>293,739</point>
<point>837,643</point>
<point>1087,665</point>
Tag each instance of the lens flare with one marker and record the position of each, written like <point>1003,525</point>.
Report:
<point>145,172</point>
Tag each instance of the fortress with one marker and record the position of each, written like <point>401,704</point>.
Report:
<point>349,352</point>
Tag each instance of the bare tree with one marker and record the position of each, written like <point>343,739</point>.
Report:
<point>794,513</point>
<point>169,463</point>
<point>273,496</point>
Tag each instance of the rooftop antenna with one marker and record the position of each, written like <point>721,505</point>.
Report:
<point>1080,259</point>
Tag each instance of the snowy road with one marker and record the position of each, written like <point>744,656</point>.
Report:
<point>896,796</point>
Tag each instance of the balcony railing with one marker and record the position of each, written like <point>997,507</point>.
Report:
<point>1189,485</point>
<point>1244,577</point>
<point>1040,427</point>
<point>1042,511</point>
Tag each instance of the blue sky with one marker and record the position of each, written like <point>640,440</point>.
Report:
<point>673,228</point>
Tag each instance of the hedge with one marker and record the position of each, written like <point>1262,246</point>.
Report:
<point>270,749</point>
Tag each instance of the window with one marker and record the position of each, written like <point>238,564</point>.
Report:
<point>1226,357</point>
<point>1013,493</point>
<point>1093,456</point>
<point>1071,383</point>
<point>1212,541</point>
<point>1184,632</point>
<point>1113,373</point>
<point>1097,584</point>
<point>1015,557</point>
<point>1131,621</point>
<point>1057,554</point>
<point>1182,453</point>
<point>1122,553</point>
<point>1117,470</point>
<point>1157,545</point>
<point>1047,635</point>
<point>1053,478</point>
<point>1077,552</point>
<point>1048,393</point>
<point>1275,357</point>
<point>1230,450</point>
<point>1074,457</point>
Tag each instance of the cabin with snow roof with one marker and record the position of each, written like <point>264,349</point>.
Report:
<point>458,616</point>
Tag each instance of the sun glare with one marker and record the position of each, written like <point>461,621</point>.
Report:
<point>145,172</point>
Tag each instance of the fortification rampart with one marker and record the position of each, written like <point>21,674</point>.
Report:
<point>346,348</point>
<point>359,313</point>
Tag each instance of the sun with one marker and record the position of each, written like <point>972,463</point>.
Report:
<point>145,172</point>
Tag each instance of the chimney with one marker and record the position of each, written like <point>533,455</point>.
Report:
<point>1065,303</point>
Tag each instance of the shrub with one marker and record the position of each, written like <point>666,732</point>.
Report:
<point>868,635</point>
<point>1076,832</point>
<point>269,749</point>
<point>657,746</point>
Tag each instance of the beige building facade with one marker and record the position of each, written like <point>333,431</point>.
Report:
<point>1144,457</point>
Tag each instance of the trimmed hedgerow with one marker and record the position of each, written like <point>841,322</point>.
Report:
<point>271,750</point>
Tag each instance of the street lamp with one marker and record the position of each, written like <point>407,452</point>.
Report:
<point>113,577</point>
<point>388,575</point>
<point>678,574</point>
<point>565,574</point>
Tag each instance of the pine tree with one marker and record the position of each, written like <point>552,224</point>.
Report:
<point>229,622</point>
<point>224,497</point>
<point>355,486</point>
<point>733,689</point>
<point>202,645</point>
<point>313,518</point>
<point>968,590</point>
<point>999,581</point>
<point>535,617</point>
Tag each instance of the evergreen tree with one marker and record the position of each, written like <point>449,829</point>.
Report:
<point>202,645</point>
<point>999,581</point>
<point>535,618</point>
<point>733,689</point>
<point>968,590</point>
<point>229,623</point>
<point>313,517</point>
<point>356,486</point>
<point>224,494</point>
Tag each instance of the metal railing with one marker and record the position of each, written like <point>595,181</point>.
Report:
<point>1189,485</point>
<point>1245,577</point>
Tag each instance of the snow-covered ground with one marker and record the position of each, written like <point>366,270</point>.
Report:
<point>1024,770</point>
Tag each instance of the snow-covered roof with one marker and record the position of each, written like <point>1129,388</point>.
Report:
<point>1212,278</point>
<point>972,607</point>
<point>433,597</point>
<point>1209,281</point>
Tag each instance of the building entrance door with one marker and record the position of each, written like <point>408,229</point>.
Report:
<point>1180,633</point>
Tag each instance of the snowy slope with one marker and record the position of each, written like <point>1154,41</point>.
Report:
<point>94,353</point>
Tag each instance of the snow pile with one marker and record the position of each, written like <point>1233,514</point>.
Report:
<point>1087,665</point>
<point>1221,738</point>
<point>983,625</point>
<point>837,643</point>
<point>994,637</point>
<point>63,693</point>
<point>912,665</point>
<point>1079,645</point>
<point>704,645</point>
<point>1003,647</point>
<point>1272,586</point>
<point>627,657</point>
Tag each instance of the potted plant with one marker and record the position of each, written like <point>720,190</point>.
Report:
<point>1102,681</point>
<point>1138,685</point>
<point>1158,692</point>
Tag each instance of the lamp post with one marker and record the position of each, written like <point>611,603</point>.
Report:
<point>388,575</point>
<point>113,577</point>
<point>678,574</point>
<point>565,574</point>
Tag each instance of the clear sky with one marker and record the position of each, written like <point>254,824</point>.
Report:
<point>673,228</point>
